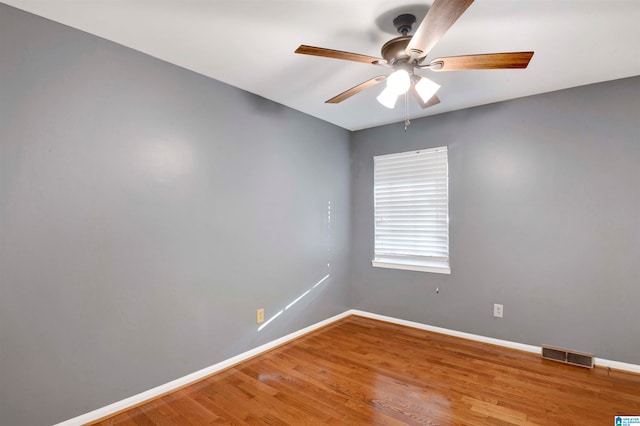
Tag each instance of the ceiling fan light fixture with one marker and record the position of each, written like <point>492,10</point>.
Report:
<point>388,98</point>
<point>399,82</point>
<point>405,55</point>
<point>426,88</point>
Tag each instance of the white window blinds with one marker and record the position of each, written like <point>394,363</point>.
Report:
<point>411,203</point>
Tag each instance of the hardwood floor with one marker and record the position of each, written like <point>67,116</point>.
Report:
<point>360,371</point>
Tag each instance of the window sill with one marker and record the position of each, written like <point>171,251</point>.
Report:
<point>434,267</point>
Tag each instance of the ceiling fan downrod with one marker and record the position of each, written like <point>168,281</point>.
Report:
<point>404,23</point>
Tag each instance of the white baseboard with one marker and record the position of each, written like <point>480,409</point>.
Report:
<point>193,377</point>
<point>617,365</point>
<point>599,362</point>
<point>468,336</point>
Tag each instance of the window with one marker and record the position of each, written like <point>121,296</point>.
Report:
<point>411,205</point>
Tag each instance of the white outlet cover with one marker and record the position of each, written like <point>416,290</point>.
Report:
<point>498,310</point>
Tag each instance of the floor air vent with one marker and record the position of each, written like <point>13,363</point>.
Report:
<point>567,356</point>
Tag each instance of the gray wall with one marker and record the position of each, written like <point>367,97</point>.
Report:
<point>146,212</point>
<point>544,218</point>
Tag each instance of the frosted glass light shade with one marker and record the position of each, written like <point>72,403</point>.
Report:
<point>426,88</point>
<point>399,82</point>
<point>388,98</point>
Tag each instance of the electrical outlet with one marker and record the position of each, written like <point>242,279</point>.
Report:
<point>260,315</point>
<point>497,310</point>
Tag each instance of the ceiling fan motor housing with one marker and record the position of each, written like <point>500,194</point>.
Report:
<point>394,50</point>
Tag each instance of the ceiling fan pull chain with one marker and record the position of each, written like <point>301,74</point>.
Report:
<point>407,123</point>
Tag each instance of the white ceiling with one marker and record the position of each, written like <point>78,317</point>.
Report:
<point>249,44</point>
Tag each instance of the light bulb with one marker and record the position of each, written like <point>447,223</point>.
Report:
<point>399,82</point>
<point>426,88</point>
<point>388,98</point>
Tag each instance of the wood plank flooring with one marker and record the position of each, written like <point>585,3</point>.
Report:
<point>360,371</point>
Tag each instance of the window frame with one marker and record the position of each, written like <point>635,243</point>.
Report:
<point>413,262</point>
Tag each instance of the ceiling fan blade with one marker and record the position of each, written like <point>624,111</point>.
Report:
<point>356,89</point>
<point>434,100</point>
<point>338,54</point>
<point>487,61</point>
<point>441,15</point>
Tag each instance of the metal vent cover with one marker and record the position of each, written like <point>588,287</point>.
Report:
<point>567,356</point>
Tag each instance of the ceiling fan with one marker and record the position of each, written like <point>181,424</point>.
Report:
<point>406,54</point>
